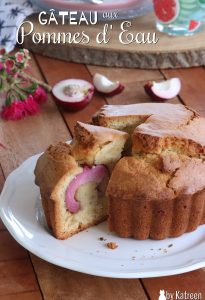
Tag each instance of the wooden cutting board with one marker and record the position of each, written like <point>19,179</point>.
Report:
<point>168,52</point>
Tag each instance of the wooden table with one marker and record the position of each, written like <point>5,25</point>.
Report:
<point>26,277</point>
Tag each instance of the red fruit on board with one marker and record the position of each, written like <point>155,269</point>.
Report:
<point>165,90</point>
<point>166,11</point>
<point>107,87</point>
<point>73,94</point>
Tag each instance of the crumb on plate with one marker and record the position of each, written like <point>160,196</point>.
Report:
<point>101,238</point>
<point>111,245</point>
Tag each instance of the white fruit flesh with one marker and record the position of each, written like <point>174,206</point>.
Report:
<point>72,90</point>
<point>104,85</point>
<point>167,89</point>
<point>93,205</point>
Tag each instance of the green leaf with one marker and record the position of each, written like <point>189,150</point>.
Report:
<point>8,100</point>
<point>30,89</point>
<point>1,83</point>
<point>3,74</point>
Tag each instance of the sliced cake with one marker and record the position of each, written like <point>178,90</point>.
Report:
<point>157,191</point>
<point>73,178</point>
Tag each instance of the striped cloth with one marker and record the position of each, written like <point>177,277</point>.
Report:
<point>12,14</point>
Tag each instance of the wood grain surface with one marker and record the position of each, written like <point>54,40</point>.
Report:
<point>60,283</point>
<point>166,53</point>
<point>24,276</point>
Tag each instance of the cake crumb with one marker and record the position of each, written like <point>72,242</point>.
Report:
<point>159,249</point>
<point>134,257</point>
<point>101,238</point>
<point>152,249</point>
<point>111,245</point>
<point>171,245</point>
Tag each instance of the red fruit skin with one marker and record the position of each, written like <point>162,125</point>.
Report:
<point>148,89</point>
<point>119,90</point>
<point>76,106</point>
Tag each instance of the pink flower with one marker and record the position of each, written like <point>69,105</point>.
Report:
<point>19,57</point>
<point>27,65</point>
<point>19,109</point>
<point>2,51</point>
<point>15,111</point>
<point>9,64</point>
<point>31,106</point>
<point>26,53</point>
<point>40,95</point>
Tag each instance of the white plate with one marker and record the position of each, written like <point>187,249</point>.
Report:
<point>22,214</point>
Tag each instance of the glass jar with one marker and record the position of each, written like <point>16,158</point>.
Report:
<point>179,17</point>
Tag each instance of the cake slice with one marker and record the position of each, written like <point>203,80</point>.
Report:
<point>159,134</point>
<point>73,193</point>
<point>73,196</point>
<point>94,145</point>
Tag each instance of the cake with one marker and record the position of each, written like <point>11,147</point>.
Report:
<point>154,196</point>
<point>128,117</point>
<point>92,151</point>
<point>147,191</point>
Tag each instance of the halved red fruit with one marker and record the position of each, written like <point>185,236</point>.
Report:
<point>166,11</point>
<point>106,86</point>
<point>164,90</point>
<point>73,94</point>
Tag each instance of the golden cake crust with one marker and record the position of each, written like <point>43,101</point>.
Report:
<point>90,140</point>
<point>158,134</point>
<point>58,160</point>
<point>154,196</point>
<point>51,166</point>
<point>127,117</point>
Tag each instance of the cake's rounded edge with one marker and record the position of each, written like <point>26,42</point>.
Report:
<point>157,220</point>
<point>157,209</point>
